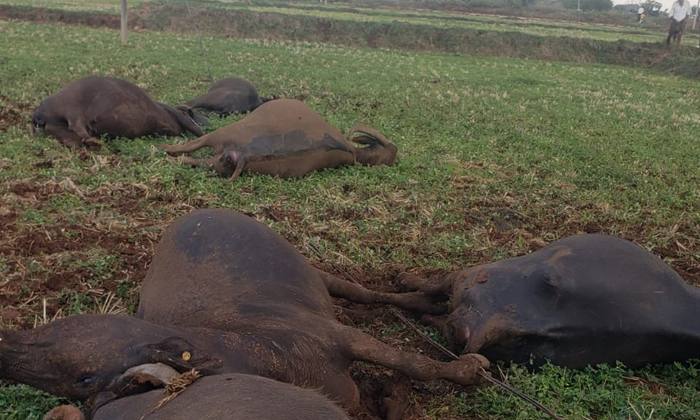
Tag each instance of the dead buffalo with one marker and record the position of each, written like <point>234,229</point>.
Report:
<point>221,397</point>
<point>224,294</point>
<point>582,300</point>
<point>233,95</point>
<point>95,106</point>
<point>286,138</point>
<point>223,270</point>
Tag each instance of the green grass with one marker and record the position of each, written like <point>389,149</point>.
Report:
<point>601,393</point>
<point>568,147</point>
<point>23,403</point>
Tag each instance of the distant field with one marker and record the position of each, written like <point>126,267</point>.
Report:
<point>109,6</point>
<point>561,148</point>
<point>475,22</point>
<point>345,12</point>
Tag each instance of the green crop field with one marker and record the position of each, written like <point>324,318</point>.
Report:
<point>482,23</point>
<point>104,6</point>
<point>432,18</point>
<point>553,149</point>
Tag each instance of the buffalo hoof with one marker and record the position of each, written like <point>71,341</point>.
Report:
<point>92,144</point>
<point>64,412</point>
<point>396,395</point>
<point>468,370</point>
<point>172,149</point>
<point>410,282</point>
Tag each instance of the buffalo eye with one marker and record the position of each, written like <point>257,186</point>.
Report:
<point>230,161</point>
<point>85,381</point>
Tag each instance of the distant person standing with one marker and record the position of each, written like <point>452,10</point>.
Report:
<point>640,15</point>
<point>679,15</point>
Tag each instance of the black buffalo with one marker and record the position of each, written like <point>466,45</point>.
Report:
<point>233,95</point>
<point>94,106</point>
<point>582,300</point>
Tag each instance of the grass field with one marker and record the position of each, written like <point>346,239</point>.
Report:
<point>433,18</point>
<point>614,39</point>
<point>555,148</point>
<point>104,6</point>
<point>473,22</point>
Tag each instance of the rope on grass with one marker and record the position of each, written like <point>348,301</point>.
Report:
<point>445,350</point>
<point>482,372</point>
<point>201,44</point>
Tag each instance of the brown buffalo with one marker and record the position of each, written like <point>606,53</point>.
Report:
<point>224,294</point>
<point>233,95</point>
<point>95,106</point>
<point>286,138</point>
<point>220,397</point>
<point>582,300</point>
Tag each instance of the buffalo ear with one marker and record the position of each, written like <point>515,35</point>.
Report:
<point>180,354</point>
<point>198,118</point>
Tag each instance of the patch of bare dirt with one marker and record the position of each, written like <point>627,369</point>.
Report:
<point>47,262</point>
<point>13,114</point>
<point>47,265</point>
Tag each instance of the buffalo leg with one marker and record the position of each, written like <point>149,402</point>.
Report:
<point>413,283</point>
<point>65,136</point>
<point>353,292</point>
<point>211,163</point>
<point>78,125</point>
<point>186,160</point>
<point>395,401</point>
<point>360,346</point>
<point>340,386</point>
<point>190,146</point>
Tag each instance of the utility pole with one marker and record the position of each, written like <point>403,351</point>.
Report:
<point>124,22</point>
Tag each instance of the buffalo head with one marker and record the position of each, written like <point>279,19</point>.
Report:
<point>187,118</point>
<point>81,356</point>
<point>379,150</point>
